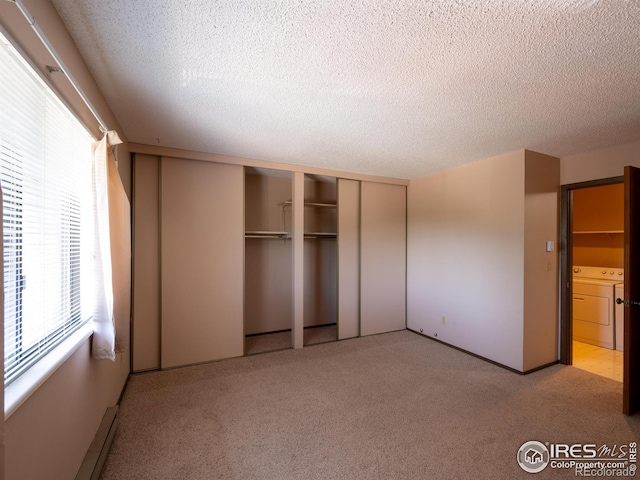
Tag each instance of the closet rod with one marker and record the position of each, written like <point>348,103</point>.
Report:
<point>266,233</point>
<point>61,65</point>
<point>321,234</point>
<point>269,236</point>
<point>309,204</point>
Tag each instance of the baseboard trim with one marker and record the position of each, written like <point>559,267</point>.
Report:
<point>485,358</point>
<point>527,372</point>
<point>94,459</point>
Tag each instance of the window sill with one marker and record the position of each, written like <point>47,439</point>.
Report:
<point>22,388</point>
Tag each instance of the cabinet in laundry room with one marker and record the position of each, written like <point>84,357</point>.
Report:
<point>598,226</point>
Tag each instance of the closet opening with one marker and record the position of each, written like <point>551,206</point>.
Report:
<point>267,261</point>
<point>320,260</point>
<point>268,267</point>
<point>597,221</point>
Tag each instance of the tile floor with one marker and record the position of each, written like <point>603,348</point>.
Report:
<point>601,361</point>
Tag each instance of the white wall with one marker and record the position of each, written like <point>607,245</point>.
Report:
<point>597,164</point>
<point>465,257</point>
<point>479,276</point>
<point>542,185</point>
<point>49,435</point>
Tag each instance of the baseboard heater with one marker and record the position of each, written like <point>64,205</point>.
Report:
<point>97,454</point>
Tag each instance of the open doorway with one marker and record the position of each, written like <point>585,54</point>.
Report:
<point>268,279</point>
<point>267,261</point>
<point>320,260</point>
<point>592,272</point>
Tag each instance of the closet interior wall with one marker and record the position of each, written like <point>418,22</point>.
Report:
<point>320,251</point>
<point>268,251</point>
<point>268,255</point>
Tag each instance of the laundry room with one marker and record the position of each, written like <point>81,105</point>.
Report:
<point>598,279</point>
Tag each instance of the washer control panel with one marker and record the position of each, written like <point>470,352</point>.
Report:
<point>602,273</point>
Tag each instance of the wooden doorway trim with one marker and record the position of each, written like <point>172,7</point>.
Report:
<point>566,261</point>
<point>631,382</point>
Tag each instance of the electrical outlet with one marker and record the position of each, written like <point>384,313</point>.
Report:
<point>444,320</point>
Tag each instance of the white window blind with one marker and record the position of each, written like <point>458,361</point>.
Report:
<point>45,172</point>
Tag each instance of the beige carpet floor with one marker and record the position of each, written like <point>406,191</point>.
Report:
<point>391,406</point>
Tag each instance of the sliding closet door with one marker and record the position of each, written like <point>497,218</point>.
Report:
<point>348,258</point>
<point>383,258</point>
<point>145,330</point>
<point>202,237</point>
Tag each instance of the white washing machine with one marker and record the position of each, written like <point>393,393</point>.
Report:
<point>619,316</point>
<point>594,313</point>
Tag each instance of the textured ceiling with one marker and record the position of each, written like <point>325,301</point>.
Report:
<point>395,88</point>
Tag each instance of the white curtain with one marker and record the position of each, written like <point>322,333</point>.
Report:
<point>112,254</point>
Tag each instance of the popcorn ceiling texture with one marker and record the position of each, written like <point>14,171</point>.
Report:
<point>395,88</point>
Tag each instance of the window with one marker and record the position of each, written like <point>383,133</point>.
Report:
<point>45,172</point>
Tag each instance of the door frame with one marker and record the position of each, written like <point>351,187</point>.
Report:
<point>566,261</point>
<point>631,386</point>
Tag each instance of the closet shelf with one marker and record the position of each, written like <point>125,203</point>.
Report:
<point>311,204</point>
<point>286,235</point>
<point>265,234</point>
<point>320,235</point>
<point>598,232</point>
